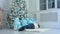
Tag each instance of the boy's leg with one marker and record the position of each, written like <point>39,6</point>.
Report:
<point>29,26</point>
<point>21,29</point>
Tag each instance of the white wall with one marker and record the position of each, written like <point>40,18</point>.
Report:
<point>31,7</point>
<point>49,18</point>
<point>4,4</point>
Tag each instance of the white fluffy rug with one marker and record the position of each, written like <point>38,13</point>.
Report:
<point>37,30</point>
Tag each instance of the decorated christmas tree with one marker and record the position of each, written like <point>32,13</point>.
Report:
<point>18,9</point>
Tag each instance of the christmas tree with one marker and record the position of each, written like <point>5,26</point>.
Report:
<point>18,9</point>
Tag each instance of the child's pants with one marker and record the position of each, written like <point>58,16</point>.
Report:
<point>29,26</point>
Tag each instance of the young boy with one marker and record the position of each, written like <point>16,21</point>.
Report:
<point>30,24</point>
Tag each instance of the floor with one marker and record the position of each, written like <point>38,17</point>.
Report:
<point>50,31</point>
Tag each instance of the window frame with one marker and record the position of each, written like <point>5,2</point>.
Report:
<point>57,3</point>
<point>40,5</point>
<point>47,8</point>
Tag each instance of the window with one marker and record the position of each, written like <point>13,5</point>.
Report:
<point>58,3</point>
<point>42,4</point>
<point>49,4</point>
